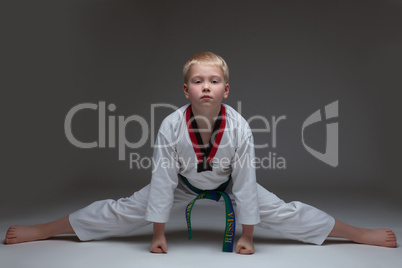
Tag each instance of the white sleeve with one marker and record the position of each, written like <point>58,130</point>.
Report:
<point>244,183</point>
<point>164,180</point>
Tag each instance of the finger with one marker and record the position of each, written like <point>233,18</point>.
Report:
<point>164,248</point>
<point>246,250</point>
<point>159,249</point>
<point>156,249</point>
<point>239,249</point>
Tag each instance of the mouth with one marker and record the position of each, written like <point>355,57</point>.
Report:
<point>206,97</point>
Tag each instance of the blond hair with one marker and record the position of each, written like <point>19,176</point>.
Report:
<point>206,58</point>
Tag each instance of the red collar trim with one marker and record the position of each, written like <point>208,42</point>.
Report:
<point>193,138</point>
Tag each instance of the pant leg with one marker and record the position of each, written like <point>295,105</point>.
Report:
<point>294,220</point>
<point>112,218</point>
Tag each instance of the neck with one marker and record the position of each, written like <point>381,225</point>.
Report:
<point>206,116</point>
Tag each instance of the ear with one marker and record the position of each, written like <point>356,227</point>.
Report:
<point>226,93</point>
<point>185,89</point>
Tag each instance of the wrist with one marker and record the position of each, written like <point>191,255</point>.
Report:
<point>159,229</point>
<point>248,231</point>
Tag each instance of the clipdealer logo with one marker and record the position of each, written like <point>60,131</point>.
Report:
<point>330,156</point>
<point>107,135</point>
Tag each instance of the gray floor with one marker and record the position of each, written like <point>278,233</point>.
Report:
<point>205,248</point>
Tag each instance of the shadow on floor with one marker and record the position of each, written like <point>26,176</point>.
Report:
<point>206,236</point>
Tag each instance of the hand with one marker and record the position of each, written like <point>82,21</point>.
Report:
<point>245,245</point>
<point>159,244</point>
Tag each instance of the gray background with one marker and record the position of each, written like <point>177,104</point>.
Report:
<point>285,57</point>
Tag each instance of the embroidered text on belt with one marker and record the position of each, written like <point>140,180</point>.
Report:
<point>228,239</point>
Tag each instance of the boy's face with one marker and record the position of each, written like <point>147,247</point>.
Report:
<point>206,86</point>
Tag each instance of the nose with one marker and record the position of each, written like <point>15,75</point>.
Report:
<point>206,87</point>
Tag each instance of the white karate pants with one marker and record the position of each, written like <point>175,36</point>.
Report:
<point>110,218</point>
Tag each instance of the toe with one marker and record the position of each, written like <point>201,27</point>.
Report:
<point>10,241</point>
<point>12,228</point>
<point>10,235</point>
<point>391,243</point>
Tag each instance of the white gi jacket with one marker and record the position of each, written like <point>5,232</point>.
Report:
<point>174,153</point>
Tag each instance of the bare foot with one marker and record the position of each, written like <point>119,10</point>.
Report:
<point>22,233</point>
<point>377,237</point>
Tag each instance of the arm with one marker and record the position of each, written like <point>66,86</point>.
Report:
<point>164,181</point>
<point>159,244</point>
<point>244,182</point>
<point>245,192</point>
<point>245,244</point>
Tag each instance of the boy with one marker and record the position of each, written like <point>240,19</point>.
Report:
<point>205,145</point>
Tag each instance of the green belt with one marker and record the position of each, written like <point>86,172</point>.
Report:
<point>216,194</point>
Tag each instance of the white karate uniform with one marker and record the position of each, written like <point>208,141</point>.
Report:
<point>174,153</point>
